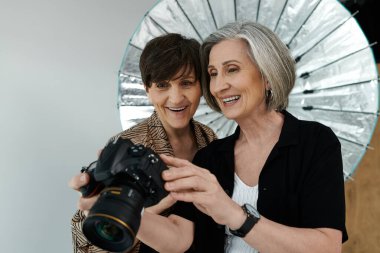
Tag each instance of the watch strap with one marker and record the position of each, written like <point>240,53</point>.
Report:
<point>248,224</point>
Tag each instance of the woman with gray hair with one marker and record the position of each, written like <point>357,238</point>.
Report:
<point>276,184</point>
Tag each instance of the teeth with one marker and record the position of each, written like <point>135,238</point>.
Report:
<point>230,99</point>
<point>177,109</point>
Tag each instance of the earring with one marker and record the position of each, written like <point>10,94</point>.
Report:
<point>268,95</point>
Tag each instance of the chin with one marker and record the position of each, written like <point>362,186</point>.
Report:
<point>229,114</point>
<point>230,117</point>
<point>180,125</point>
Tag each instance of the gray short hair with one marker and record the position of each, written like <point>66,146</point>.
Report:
<point>267,52</point>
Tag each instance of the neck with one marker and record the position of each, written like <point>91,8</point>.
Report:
<point>178,134</point>
<point>183,142</point>
<point>261,126</point>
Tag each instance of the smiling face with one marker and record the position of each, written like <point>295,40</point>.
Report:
<point>235,81</point>
<point>176,100</point>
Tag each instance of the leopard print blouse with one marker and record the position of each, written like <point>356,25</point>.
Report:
<point>149,133</point>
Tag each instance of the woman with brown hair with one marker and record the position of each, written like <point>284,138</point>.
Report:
<point>171,73</point>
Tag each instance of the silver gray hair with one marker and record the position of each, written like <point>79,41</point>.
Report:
<point>266,51</point>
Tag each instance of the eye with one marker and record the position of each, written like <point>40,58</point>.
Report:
<point>187,83</point>
<point>162,85</point>
<point>232,69</point>
<point>212,73</point>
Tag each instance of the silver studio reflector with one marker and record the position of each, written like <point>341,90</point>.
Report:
<point>337,82</point>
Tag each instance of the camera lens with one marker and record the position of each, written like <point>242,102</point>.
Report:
<point>131,175</point>
<point>108,231</point>
<point>114,220</point>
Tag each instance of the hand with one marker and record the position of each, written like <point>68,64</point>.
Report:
<point>76,182</point>
<point>190,183</point>
<point>164,204</point>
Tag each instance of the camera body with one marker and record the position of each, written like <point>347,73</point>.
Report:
<point>127,178</point>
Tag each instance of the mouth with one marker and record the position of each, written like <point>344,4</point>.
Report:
<point>177,109</point>
<point>229,100</point>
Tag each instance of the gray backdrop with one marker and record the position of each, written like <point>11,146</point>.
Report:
<point>58,77</point>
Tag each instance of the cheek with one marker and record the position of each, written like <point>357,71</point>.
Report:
<point>195,95</point>
<point>194,100</point>
<point>155,98</point>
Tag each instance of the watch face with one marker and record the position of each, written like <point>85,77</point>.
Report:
<point>251,210</point>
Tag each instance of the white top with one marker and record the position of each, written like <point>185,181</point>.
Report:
<point>242,194</point>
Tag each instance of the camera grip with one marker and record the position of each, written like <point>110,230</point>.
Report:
<point>93,187</point>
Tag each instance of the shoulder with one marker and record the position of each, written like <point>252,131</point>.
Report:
<point>137,133</point>
<point>306,132</point>
<point>215,149</point>
<point>204,135</point>
<point>217,144</point>
<point>317,151</point>
<point>198,126</point>
<point>312,131</point>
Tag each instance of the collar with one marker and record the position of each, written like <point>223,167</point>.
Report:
<point>157,136</point>
<point>289,133</point>
<point>159,139</point>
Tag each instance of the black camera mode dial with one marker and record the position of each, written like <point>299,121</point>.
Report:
<point>136,150</point>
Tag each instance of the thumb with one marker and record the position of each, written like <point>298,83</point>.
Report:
<point>79,180</point>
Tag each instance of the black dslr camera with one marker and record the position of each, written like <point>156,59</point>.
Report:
<point>128,178</point>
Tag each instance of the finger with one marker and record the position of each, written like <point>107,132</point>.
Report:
<point>79,180</point>
<point>87,203</point>
<point>173,161</point>
<point>190,196</point>
<point>200,200</point>
<point>193,183</point>
<point>176,173</point>
<point>164,204</point>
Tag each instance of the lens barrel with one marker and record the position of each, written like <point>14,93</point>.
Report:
<point>131,175</point>
<point>114,220</point>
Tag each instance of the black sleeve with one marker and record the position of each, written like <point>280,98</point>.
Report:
<point>322,199</point>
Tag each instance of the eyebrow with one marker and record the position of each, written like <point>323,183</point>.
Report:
<point>183,77</point>
<point>225,63</point>
<point>187,77</point>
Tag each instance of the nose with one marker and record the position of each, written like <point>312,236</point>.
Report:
<point>218,84</point>
<point>176,95</point>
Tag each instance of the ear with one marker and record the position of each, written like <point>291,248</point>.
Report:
<point>267,84</point>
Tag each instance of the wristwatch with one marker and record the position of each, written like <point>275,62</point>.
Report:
<point>253,217</point>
